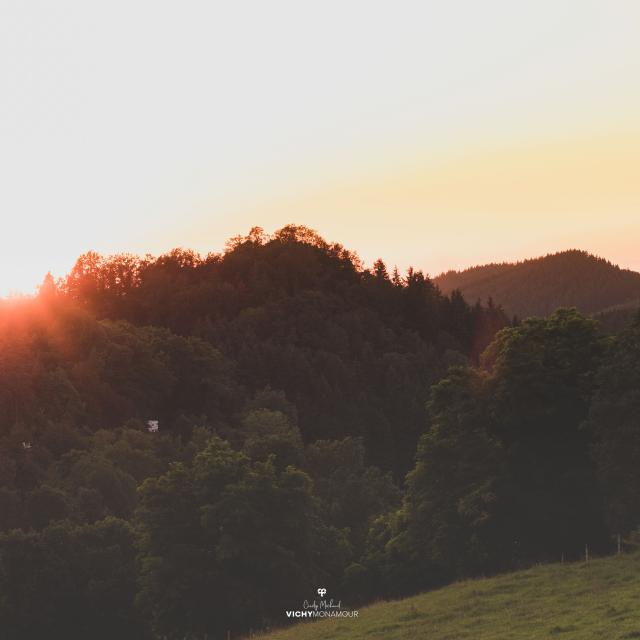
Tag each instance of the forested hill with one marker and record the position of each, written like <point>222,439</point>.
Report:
<point>190,443</point>
<point>539,286</point>
<point>353,350</point>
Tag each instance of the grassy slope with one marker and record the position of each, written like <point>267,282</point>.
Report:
<point>570,601</point>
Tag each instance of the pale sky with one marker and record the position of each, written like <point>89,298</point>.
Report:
<point>436,134</point>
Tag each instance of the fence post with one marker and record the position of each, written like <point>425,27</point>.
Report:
<point>619,545</point>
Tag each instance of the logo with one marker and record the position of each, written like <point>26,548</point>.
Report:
<point>322,608</point>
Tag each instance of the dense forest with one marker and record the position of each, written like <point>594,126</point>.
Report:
<point>539,286</point>
<point>191,444</point>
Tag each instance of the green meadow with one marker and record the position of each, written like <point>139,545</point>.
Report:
<point>572,601</point>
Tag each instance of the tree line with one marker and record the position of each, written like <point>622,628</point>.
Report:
<point>319,423</point>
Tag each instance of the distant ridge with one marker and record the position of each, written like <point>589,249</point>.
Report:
<point>538,286</point>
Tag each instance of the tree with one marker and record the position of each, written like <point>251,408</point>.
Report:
<point>69,581</point>
<point>227,543</point>
<point>543,377</point>
<point>503,474</point>
<point>47,290</point>
<point>614,422</point>
<point>268,433</point>
<point>449,525</point>
<point>351,493</point>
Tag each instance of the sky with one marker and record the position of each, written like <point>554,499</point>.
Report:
<point>434,134</point>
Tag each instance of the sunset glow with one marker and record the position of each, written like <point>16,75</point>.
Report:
<point>141,126</point>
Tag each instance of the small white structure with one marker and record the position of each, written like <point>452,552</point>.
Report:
<point>26,445</point>
<point>153,426</point>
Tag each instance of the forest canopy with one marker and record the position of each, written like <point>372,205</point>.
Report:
<point>183,430</point>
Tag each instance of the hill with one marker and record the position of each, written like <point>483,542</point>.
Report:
<point>248,426</point>
<point>538,286</point>
<point>301,315</point>
<point>570,601</point>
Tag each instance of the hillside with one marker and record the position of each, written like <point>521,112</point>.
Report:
<point>538,286</point>
<point>248,427</point>
<point>298,314</point>
<point>570,601</point>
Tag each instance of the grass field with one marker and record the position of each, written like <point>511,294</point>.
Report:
<point>599,601</point>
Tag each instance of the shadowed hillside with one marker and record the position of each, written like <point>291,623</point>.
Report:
<point>539,286</point>
<point>301,315</point>
<point>191,444</point>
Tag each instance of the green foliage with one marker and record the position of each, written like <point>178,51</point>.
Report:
<point>354,351</point>
<point>614,421</point>
<point>225,542</point>
<point>62,367</point>
<point>293,390</point>
<point>269,433</point>
<point>451,508</point>
<point>504,474</point>
<point>351,493</point>
<point>542,383</point>
<point>69,581</point>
